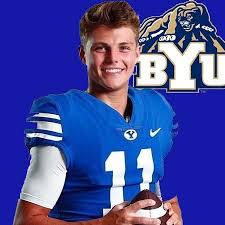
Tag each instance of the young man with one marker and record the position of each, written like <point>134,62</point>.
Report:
<point>94,151</point>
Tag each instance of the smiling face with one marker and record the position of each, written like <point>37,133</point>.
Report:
<point>110,55</point>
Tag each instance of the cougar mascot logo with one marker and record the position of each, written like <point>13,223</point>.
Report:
<point>184,23</point>
<point>181,51</point>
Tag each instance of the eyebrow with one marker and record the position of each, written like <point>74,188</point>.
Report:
<point>100,43</point>
<point>106,44</point>
<point>126,43</point>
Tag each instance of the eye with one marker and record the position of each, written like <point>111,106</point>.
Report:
<point>125,48</point>
<point>100,49</point>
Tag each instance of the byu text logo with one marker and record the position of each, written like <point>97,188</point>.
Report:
<point>181,51</point>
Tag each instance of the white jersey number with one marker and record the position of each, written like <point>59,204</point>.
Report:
<point>117,164</point>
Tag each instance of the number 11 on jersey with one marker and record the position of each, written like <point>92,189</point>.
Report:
<point>117,164</point>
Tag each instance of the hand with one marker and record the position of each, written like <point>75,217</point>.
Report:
<point>174,218</point>
<point>124,214</point>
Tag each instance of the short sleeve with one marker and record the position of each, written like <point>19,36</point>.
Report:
<point>168,124</point>
<point>44,125</point>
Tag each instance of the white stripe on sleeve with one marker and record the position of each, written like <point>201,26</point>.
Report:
<point>47,115</point>
<point>44,136</point>
<point>50,126</point>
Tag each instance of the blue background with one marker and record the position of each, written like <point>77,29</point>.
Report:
<point>39,41</point>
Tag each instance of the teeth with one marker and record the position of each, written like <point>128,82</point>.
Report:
<point>113,70</point>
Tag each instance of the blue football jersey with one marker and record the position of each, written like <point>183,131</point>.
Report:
<point>108,159</point>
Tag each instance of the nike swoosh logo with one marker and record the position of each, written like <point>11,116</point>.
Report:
<point>153,133</point>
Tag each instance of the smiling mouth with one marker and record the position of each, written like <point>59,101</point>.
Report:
<point>112,70</point>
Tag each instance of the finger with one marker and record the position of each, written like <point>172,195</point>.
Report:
<point>140,205</point>
<point>120,206</point>
<point>167,206</point>
<point>173,220</point>
<point>144,221</point>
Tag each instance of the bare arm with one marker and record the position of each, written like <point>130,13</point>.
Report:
<point>31,214</point>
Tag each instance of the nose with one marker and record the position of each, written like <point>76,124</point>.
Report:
<point>112,56</point>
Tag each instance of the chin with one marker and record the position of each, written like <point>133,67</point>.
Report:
<point>106,85</point>
<point>116,86</point>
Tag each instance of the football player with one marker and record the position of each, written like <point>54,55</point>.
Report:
<point>93,151</point>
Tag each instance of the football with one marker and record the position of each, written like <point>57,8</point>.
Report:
<point>155,211</point>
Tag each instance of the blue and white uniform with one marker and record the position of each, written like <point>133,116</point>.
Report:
<point>108,160</point>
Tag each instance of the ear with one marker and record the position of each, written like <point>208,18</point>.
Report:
<point>82,54</point>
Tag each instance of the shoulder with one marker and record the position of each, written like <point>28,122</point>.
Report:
<point>147,93</point>
<point>152,99</point>
<point>54,103</point>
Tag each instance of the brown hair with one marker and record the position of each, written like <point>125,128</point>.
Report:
<point>113,14</point>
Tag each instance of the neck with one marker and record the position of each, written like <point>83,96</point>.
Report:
<point>116,99</point>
